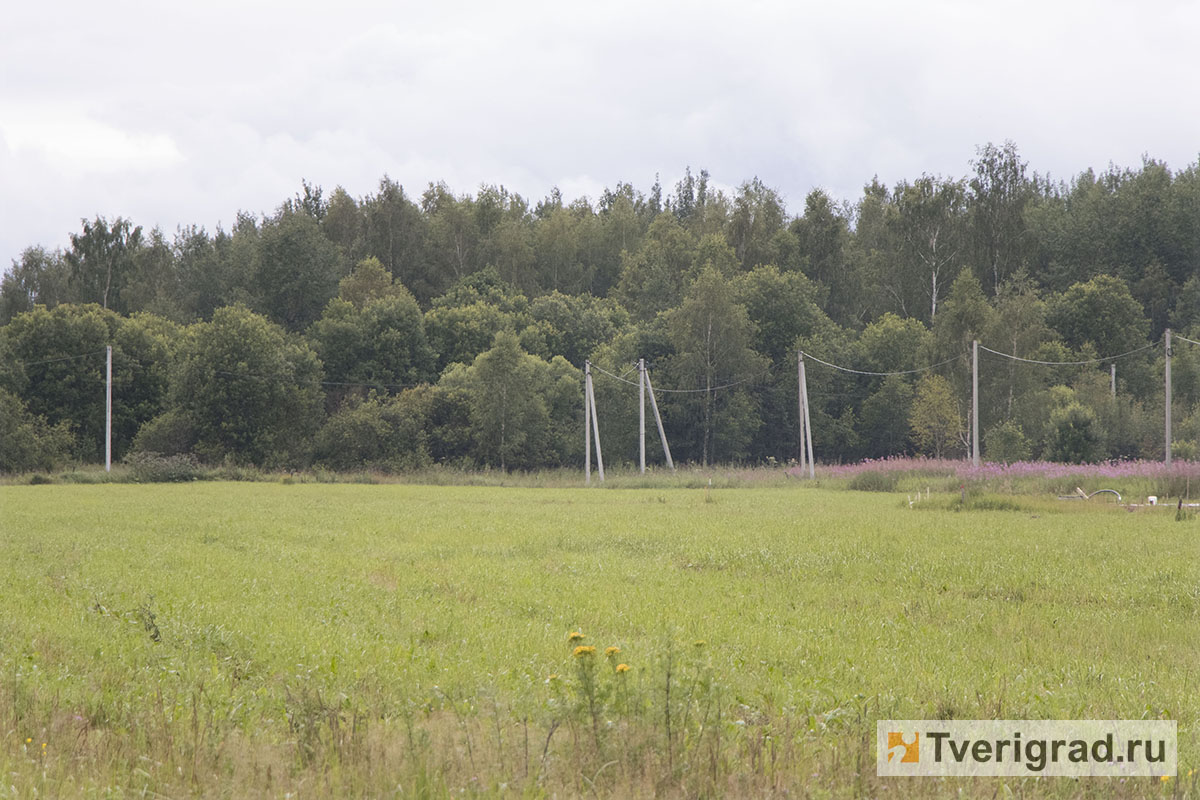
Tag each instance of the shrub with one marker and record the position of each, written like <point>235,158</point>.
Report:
<point>1074,435</point>
<point>146,467</point>
<point>27,441</point>
<point>1006,443</point>
<point>168,434</point>
<point>379,433</point>
<point>875,481</point>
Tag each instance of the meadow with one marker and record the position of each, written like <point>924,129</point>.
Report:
<point>221,639</point>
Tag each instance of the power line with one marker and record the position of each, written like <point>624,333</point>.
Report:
<point>62,358</point>
<point>685,391</point>
<point>1184,338</point>
<point>1104,360</point>
<point>883,374</point>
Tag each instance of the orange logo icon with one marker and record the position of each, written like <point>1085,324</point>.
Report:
<point>909,752</point>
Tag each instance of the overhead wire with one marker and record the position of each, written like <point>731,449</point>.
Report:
<point>1104,360</point>
<point>61,358</point>
<point>657,389</point>
<point>882,374</point>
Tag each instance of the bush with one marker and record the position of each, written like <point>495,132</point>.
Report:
<point>875,482</point>
<point>168,434</point>
<point>1074,435</point>
<point>27,441</point>
<point>1184,450</point>
<point>146,467</point>
<point>1006,443</point>
<point>384,434</point>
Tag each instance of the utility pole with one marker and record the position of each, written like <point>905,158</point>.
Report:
<point>1167,372</point>
<point>587,423</point>
<point>806,424</point>
<point>642,415</point>
<point>975,403</point>
<point>591,396</point>
<point>658,419</point>
<point>108,411</point>
<point>800,404</point>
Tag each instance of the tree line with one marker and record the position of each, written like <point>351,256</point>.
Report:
<point>393,331</point>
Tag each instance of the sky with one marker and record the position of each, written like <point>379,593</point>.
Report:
<point>174,113</point>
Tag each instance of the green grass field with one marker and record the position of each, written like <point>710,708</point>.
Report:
<point>266,640</point>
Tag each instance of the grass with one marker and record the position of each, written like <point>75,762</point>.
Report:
<point>1134,480</point>
<point>260,640</point>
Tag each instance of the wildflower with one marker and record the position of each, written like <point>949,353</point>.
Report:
<point>1165,778</point>
<point>552,678</point>
<point>575,636</point>
<point>611,651</point>
<point>584,650</point>
<point>28,741</point>
<point>699,643</point>
<point>622,668</point>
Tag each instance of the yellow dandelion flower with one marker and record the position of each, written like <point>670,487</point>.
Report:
<point>552,678</point>
<point>43,745</point>
<point>611,651</point>
<point>622,668</point>
<point>584,650</point>
<point>28,741</point>
<point>1165,778</point>
<point>575,636</point>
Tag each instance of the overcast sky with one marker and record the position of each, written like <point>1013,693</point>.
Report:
<point>171,115</point>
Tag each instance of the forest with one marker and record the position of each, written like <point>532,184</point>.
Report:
<point>397,331</point>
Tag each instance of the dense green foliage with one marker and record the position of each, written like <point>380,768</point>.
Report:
<point>338,300</point>
<point>259,640</point>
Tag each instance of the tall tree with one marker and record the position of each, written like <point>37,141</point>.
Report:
<point>101,259</point>
<point>823,237</point>
<point>929,228</point>
<point>394,232</point>
<point>298,270</point>
<point>999,193</point>
<point>936,423</point>
<point>758,215</point>
<point>248,390</point>
<point>39,277</point>
<point>712,335</point>
<point>653,279</point>
<point>453,232</point>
